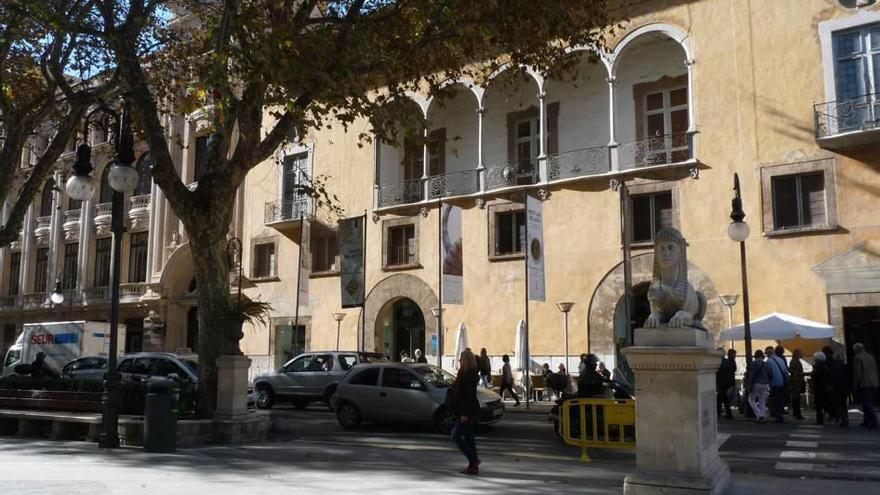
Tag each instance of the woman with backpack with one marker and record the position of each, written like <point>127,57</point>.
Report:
<point>464,404</point>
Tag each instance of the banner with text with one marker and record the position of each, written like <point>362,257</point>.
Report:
<point>535,247</point>
<point>305,269</point>
<point>453,268</point>
<point>351,255</point>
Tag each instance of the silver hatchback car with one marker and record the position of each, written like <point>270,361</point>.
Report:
<point>412,393</point>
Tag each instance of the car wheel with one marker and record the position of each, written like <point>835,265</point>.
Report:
<point>348,415</point>
<point>265,397</point>
<point>444,420</point>
<point>330,398</point>
<point>300,403</point>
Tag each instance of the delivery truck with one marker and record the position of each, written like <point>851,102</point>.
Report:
<point>61,342</point>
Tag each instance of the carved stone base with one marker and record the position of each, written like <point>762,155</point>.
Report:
<point>673,337</point>
<point>677,446</point>
<point>232,384</point>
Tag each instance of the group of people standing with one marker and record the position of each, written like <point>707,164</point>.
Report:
<point>783,382</point>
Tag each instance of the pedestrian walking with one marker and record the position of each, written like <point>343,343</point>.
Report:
<point>725,380</point>
<point>464,404</point>
<point>484,365</point>
<point>778,383</point>
<point>507,379</point>
<point>758,383</point>
<point>797,385</point>
<point>865,383</point>
<point>820,378</point>
<point>840,385</point>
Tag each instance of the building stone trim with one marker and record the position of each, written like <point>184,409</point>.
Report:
<point>397,222</point>
<point>837,303</point>
<point>494,208</point>
<point>825,164</point>
<point>608,293</point>
<point>390,290</point>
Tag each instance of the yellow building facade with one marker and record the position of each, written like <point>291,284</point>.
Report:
<point>687,94</point>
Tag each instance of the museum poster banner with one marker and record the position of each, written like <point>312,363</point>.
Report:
<point>535,247</point>
<point>453,289</point>
<point>351,255</point>
<point>305,268</point>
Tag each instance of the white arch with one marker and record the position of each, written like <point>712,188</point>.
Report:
<point>538,78</point>
<point>672,32</point>
<point>604,57</point>
<point>467,84</point>
<point>419,100</point>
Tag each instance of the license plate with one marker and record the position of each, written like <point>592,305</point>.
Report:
<point>497,412</point>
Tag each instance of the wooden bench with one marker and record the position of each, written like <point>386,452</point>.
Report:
<point>61,414</point>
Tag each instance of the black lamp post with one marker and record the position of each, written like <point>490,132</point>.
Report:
<point>81,186</point>
<point>738,231</point>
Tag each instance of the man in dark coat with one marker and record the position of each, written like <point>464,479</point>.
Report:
<point>725,380</point>
<point>822,389</point>
<point>840,383</point>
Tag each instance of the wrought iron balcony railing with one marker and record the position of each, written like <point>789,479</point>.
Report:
<point>132,291</point>
<point>578,163</point>
<point>398,193</point>
<point>288,209</point>
<point>512,173</point>
<point>847,115</point>
<point>656,150</point>
<point>454,184</point>
<point>92,295</point>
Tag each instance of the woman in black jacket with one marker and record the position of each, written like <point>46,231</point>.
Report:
<point>466,407</point>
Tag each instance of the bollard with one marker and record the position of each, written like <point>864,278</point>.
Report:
<point>160,417</point>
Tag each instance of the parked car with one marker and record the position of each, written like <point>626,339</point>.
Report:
<point>309,377</point>
<point>412,393</point>
<point>88,368</point>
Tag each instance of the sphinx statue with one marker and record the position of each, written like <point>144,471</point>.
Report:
<point>674,301</point>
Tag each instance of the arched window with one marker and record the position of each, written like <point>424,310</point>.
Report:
<point>46,198</point>
<point>145,174</point>
<point>106,193</point>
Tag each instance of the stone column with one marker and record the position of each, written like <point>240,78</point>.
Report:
<point>612,125</point>
<point>232,384</point>
<point>676,426</point>
<point>481,166</point>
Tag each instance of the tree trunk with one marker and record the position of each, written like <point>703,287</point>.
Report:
<point>207,238</point>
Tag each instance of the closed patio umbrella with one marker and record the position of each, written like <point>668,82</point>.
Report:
<point>461,342</point>
<point>521,361</point>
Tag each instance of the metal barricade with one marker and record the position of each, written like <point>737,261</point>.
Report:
<point>610,424</point>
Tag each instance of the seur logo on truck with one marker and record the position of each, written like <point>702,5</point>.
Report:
<point>58,338</point>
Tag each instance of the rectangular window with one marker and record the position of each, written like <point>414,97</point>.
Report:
<point>414,157</point>
<point>650,213</point>
<point>41,272</point>
<point>71,255</point>
<point>137,258</point>
<point>401,245</point>
<point>666,122</point>
<point>510,232</point>
<point>856,74</point>
<point>264,260</point>
<point>14,273</point>
<point>324,253</point>
<point>294,203</point>
<point>102,262</point>
<point>799,201</point>
<point>200,163</point>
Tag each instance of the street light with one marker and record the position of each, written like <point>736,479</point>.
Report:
<point>738,231</point>
<point>729,301</point>
<point>338,317</point>
<point>565,307</point>
<point>81,186</point>
<point>438,313</point>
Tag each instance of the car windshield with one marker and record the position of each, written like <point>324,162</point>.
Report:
<point>435,376</point>
<point>192,365</point>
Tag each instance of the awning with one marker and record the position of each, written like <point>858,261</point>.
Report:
<point>780,326</point>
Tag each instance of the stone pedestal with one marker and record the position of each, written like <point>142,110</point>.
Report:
<point>232,384</point>
<point>676,420</point>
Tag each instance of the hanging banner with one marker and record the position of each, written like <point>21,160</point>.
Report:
<point>535,247</point>
<point>305,262</point>
<point>453,268</point>
<point>351,255</point>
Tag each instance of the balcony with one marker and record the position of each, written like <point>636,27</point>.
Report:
<point>578,163</point>
<point>9,303</point>
<point>459,183</point>
<point>658,150</point>
<point>35,300</point>
<point>286,216</point>
<point>103,218</point>
<point>132,292</point>
<point>71,225</point>
<point>511,173</point>
<point>399,193</point>
<point>139,212</point>
<point>96,295</point>
<point>43,230</point>
<point>848,123</point>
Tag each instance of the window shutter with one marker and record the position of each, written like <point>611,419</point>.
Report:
<point>813,199</point>
<point>553,128</point>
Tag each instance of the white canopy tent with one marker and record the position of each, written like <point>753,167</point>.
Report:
<point>780,326</point>
<point>461,342</point>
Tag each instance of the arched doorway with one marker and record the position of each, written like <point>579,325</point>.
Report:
<point>380,309</point>
<point>402,328</point>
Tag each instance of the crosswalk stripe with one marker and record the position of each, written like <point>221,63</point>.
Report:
<point>802,444</point>
<point>797,454</point>
<point>813,436</point>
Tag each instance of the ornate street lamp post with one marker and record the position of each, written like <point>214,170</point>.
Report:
<point>338,317</point>
<point>738,231</point>
<point>565,307</point>
<point>81,186</point>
